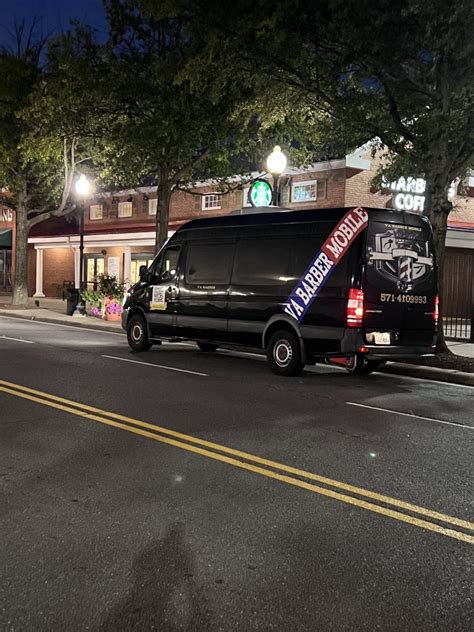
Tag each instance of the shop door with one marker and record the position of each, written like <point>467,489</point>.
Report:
<point>5,268</point>
<point>94,267</point>
<point>137,261</point>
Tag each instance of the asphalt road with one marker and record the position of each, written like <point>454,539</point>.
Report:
<point>181,490</point>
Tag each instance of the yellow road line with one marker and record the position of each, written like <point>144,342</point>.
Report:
<point>256,459</point>
<point>252,468</point>
<point>428,513</point>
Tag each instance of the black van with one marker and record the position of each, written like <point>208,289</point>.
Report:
<point>354,287</point>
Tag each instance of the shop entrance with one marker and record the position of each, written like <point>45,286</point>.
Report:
<point>137,261</point>
<point>95,265</point>
<point>5,270</point>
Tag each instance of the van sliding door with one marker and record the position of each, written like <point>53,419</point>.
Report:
<point>202,309</point>
<point>259,286</point>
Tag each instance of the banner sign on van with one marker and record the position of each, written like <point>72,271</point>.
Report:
<point>325,261</point>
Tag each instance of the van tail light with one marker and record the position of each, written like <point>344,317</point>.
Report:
<point>436,310</point>
<point>355,308</point>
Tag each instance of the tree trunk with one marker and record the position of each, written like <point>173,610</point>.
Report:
<point>437,209</point>
<point>164,192</point>
<point>20,284</point>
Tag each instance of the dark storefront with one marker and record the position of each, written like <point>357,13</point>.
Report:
<point>5,259</point>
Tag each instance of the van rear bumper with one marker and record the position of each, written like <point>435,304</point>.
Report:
<point>397,353</point>
<point>354,342</point>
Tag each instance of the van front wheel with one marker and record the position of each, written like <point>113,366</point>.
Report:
<point>137,334</point>
<point>283,354</point>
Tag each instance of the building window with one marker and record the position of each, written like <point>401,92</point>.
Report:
<point>211,201</point>
<point>308,191</point>
<point>124,209</point>
<point>245,197</point>
<point>152,206</point>
<point>95,211</point>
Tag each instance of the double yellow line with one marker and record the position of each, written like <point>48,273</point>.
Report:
<point>357,496</point>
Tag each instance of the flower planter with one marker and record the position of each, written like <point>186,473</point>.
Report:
<point>115,317</point>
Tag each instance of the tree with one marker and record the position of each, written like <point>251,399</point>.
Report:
<point>169,131</point>
<point>41,140</point>
<point>400,72</point>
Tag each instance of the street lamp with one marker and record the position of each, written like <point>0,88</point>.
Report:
<point>276,165</point>
<point>82,189</point>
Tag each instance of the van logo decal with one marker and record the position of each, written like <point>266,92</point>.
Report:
<point>323,264</point>
<point>402,257</point>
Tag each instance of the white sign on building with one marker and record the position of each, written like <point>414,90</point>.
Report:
<point>113,266</point>
<point>410,193</point>
<point>6,215</point>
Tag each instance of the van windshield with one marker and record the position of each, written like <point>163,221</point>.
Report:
<point>399,253</point>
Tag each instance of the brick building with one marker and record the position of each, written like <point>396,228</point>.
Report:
<point>119,228</point>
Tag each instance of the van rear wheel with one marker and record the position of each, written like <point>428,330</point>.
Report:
<point>137,334</point>
<point>284,354</point>
<point>362,366</point>
<point>207,346</point>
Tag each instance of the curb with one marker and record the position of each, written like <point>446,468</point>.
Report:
<point>395,368</point>
<point>429,373</point>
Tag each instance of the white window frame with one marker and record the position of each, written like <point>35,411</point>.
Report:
<point>245,197</point>
<point>125,209</point>
<point>304,183</point>
<point>213,207</point>
<point>152,206</point>
<point>96,211</point>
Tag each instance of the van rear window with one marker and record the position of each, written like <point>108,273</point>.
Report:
<point>209,263</point>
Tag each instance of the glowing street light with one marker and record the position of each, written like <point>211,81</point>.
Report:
<point>83,188</point>
<point>276,165</point>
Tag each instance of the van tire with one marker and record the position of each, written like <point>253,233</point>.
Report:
<point>284,354</point>
<point>207,346</point>
<point>137,334</point>
<point>362,366</point>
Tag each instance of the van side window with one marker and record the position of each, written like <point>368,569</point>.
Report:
<point>304,252</point>
<point>164,269</point>
<point>261,262</point>
<point>209,263</point>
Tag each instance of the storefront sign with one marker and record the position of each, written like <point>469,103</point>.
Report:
<point>6,215</point>
<point>410,193</point>
<point>260,193</point>
<point>323,264</point>
<point>113,266</point>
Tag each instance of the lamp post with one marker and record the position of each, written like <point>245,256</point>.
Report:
<point>82,189</point>
<point>276,165</point>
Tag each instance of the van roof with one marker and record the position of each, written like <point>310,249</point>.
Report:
<point>263,216</point>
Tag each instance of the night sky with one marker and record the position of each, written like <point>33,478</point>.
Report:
<point>54,14</point>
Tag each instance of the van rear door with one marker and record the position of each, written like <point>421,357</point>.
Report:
<point>399,280</point>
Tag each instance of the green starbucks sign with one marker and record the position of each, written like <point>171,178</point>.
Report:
<point>260,193</point>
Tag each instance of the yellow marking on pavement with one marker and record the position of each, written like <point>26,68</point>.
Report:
<point>75,409</point>
<point>261,461</point>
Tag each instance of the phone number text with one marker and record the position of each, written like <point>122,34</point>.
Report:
<point>417,299</point>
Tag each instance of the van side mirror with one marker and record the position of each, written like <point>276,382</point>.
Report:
<point>142,272</point>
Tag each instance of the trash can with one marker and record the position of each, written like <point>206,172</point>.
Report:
<point>73,297</point>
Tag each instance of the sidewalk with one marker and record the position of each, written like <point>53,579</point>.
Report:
<point>53,310</point>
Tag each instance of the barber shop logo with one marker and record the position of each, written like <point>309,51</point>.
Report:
<point>401,257</point>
